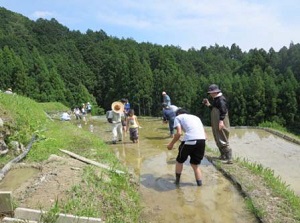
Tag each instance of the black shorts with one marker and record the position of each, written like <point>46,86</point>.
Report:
<point>196,152</point>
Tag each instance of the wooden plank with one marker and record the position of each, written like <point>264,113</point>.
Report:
<point>83,159</point>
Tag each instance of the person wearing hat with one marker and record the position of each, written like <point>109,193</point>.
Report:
<point>166,98</point>
<point>219,122</point>
<point>116,115</point>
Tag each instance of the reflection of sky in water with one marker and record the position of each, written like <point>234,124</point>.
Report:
<point>243,133</point>
<point>252,133</point>
<point>216,201</point>
<point>274,152</point>
<point>256,145</point>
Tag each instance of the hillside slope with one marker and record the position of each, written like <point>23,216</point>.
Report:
<point>63,184</point>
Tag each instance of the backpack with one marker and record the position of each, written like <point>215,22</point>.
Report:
<point>109,115</point>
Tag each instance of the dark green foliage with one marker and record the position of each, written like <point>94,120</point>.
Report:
<point>46,61</point>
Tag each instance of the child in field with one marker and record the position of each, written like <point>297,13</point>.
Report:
<point>133,125</point>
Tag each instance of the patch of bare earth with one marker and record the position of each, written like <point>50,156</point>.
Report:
<point>56,177</point>
<point>270,207</point>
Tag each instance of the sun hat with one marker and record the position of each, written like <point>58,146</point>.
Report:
<point>163,93</point>
<point>117,107</point>
<point>213,89</point>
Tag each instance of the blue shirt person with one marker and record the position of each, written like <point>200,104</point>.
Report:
<point>169,116</point>
<point>166,98</point>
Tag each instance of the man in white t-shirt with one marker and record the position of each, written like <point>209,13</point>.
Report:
<point>193,143</point>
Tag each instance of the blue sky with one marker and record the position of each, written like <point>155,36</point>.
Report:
<point>186,23</point>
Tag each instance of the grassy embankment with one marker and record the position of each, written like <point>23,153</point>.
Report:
<point>116,200</point>
<point>267,196</point>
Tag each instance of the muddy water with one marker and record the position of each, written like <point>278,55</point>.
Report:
<point>268,150</point>
<point>16,177</point>
<point>216,201</point>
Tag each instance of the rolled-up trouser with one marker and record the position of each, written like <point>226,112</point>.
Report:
<point>221,136</point>
<point>117,131</point>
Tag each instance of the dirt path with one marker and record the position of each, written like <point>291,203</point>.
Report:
<point>39,186</point>
<point>269,150</point>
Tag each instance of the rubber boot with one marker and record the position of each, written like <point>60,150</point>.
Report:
<point>199,183</point>
<point>177,178</point>
<point>229,156</point>
<point>223,154</point>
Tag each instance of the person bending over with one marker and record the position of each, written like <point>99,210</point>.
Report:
<point>193,143</point>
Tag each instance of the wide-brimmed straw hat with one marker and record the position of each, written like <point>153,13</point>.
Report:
<point>117,107</point>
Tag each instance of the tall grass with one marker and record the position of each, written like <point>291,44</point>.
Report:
<point>273,125</point>
<point>25,117</point>
<point>292,132</point>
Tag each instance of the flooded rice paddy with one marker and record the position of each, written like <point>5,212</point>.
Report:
<point>269,150</point>
<point>16,177</point>
<point>216,201</point>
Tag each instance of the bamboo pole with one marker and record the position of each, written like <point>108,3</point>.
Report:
<point>83,159</point>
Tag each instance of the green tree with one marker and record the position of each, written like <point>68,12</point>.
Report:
<point>288,99</point>
<point>255,96</point>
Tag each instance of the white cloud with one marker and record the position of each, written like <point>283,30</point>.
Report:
<point>192,18</point>
<point>247,24</point>
<point>186,15</point>
<point>126,20</point>
<point>42,14</point>
<point>197,23</point>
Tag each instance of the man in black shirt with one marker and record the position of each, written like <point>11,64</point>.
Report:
<point>220,122</point>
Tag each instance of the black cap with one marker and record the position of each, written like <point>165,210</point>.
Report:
<point>181,111</point>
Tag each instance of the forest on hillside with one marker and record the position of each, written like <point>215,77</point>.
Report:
<point>46,61</point>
